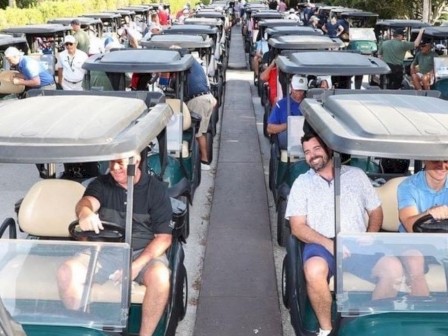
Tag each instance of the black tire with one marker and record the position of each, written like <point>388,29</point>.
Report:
<point>283,230</point>
<point>185,231</point>
<point>183,299</point>
<point>284,284</point>
<point>267,109</point>
<point>209,140</point>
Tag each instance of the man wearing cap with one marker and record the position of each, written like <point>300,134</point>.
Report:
<point>278,118</point>
<point>422,67</point>
<point>32,73</point>
<point>81,36</point>
<point>70,61</point>
<point>393,52</point>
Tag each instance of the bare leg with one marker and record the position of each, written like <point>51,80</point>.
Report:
<point>426,80</point>
<point>316,273</point>
<point>202,140</point>
<point>414,264</point>
<point>416,82</point>
<point>389,272</point>
<point>71,280</point>
<point>157,282</point>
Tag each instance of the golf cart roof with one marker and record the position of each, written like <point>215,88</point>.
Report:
<point>210,14</point>
<point>7,40</point>
<point>183,41</point>
<point>437,32</point>
<point>398,23</point>
<point>267,14</point>
<point>204,21</point>
<point>191,29</point>
<point>103,15</point>
<point>84,21</point>
<point>137,9</point>
<point>39,29</point>
<point>122,12</point>
<point>393,125</point>
<point>106,128</point>
<point>139,60</point>
<point>332,63</point>
<point>304,42</point>
<point>292,30</point>
<point>277,23</point>
<point>356,14</point>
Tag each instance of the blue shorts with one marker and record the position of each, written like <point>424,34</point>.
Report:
<point>360,265</point>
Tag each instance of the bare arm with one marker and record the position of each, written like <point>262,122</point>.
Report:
<point>419,37</point>
<point>60,72</point>
<point>276,128</point>
<point>154,249</point>
<point>264,76</point>
<point>35,81</point>
<point>375,220</point>
<point>409,215</point>
<point>302,231</point>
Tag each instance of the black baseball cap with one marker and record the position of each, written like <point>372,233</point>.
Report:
<point>75,22</point>
<point>399,31</point>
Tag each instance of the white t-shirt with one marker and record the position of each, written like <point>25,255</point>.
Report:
<point>313,197</point>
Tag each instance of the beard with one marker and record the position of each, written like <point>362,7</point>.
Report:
<point>317,163</point>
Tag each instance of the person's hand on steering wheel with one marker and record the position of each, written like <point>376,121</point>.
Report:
<point>91,223</point>
<point>438,212</point>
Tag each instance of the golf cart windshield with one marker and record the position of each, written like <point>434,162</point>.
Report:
<point>354,294</point>
<point>29,288</point>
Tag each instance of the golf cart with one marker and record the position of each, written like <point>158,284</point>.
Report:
<point>287,163</point>
<point>201,46</point>
<point>251,37</point>
<point>183,162</point>
<point>106,129</point>
<point>87,24</point>
<point>292,43</point>
<point>111,21</point>
<point>393,125</point>
<point>44,41</point>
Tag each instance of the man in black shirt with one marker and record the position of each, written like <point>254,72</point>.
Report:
<point>105,199</point>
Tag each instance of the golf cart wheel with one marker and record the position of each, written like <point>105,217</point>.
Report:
<point>283,230</point>
<point>185,230</point>
<point>284,284</point>
<point>265,120</point>
<point>183,300</point>
<point>209,140</point>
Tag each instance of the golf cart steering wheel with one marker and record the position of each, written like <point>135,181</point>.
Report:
<point>112,232</point>
<point>428,224</point>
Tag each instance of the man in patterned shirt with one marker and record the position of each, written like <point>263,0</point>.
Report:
<point>311,213</point>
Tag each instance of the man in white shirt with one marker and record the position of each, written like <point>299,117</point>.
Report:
<point>70,61</point>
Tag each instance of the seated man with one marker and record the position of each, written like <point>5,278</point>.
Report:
<point>278,118</point>
<point>421,194</point>
<point>105,199</point>
<point>422,67</point>
<point>310,210</point>
<point>261,49</point>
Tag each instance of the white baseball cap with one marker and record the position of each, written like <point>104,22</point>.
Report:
<point>13,51</point>
<point>69,39</point>
<point>299,82</point>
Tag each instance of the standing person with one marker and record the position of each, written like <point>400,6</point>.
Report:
<point>105,199</point>
<point>421,194</point>
<point>282,6</point>
<point>163,16</point>
<point>273,4</point>
<point>31,72</point>
<point>200,100</point>
<point>310,210</point>
<point>81,36</point>
<point>278,119</point>
<point>393,52</point>
<point>70,61</point>
<point>332,28</point>
<point>422,67</point>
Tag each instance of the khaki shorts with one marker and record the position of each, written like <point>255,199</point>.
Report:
<point>202,105</point>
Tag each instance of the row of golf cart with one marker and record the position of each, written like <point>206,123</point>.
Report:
<point>112,122</point>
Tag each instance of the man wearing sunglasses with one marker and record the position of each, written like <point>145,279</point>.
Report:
<point>70,61</point>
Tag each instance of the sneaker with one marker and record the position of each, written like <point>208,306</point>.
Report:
<point>205,167</point>
<point>324,332</point>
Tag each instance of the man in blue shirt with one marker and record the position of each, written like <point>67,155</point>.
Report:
<point>419,195</point>
<point>278,118</point>
<point>32,73</point>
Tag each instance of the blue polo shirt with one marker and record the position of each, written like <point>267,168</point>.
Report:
<point>196,80</point>
<point>414,191</point>
<point>30,68</point>
<point>279,115</point>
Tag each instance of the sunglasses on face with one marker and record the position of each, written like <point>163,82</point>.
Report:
<point>69,44</point>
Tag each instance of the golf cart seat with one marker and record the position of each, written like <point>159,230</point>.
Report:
<point>294,149</point>
<point>175,106</point>
<point>49,207</point>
